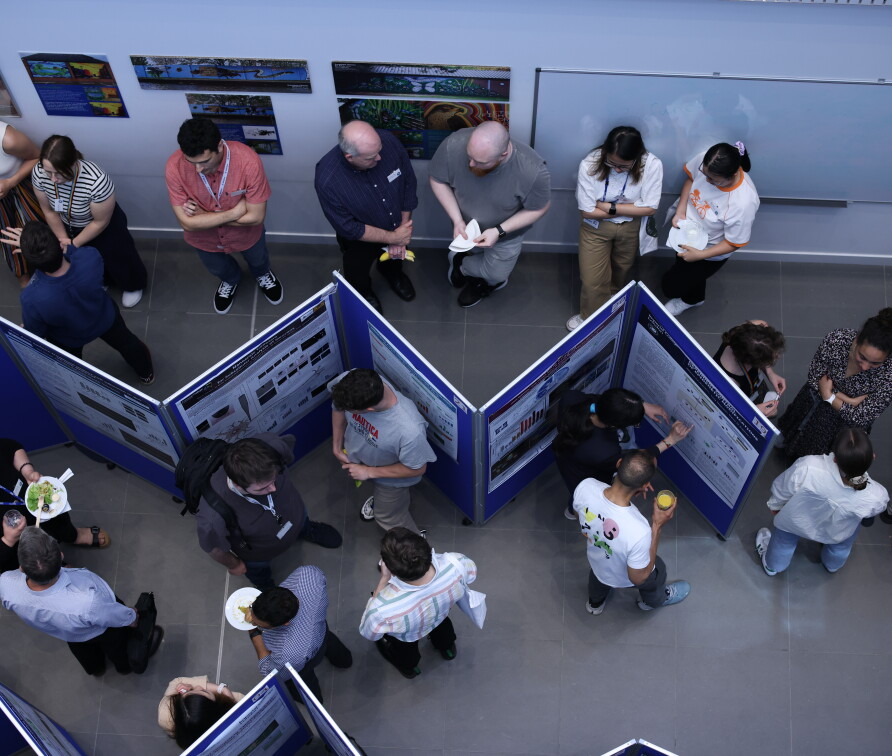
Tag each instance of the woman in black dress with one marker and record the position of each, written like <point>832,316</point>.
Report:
<point>747,351</point>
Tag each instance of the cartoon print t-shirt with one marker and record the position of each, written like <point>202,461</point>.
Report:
<point>618,537</point>
<point>724,213</point>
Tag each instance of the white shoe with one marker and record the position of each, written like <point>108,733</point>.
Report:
<point>596,610</point>
<point>763,538</point>
<point>574,322</point>
<point>676,307</point>
<point>131,298</point>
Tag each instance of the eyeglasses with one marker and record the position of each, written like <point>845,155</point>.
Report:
<point>620,167</point>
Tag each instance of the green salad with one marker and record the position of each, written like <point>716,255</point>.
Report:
<point>45,489</point>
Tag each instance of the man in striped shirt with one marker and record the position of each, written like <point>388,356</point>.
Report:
<point>290,626</point>
<point>413,598</point>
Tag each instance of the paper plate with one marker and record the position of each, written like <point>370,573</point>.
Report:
<point>56,507</point>
<point>465,245</point>
<point>242,597</point>
<point>690,233</point>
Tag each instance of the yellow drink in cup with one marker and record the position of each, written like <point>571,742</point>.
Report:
<point>665,499</point>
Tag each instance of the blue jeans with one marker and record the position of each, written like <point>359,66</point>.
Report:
<point>783,544</point>
<point>226,269</point>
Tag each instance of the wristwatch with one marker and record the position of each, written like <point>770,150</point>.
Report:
<point>255,632</point>
<point>502,232</point>
<point>830,399</point>
<point>612,210</point>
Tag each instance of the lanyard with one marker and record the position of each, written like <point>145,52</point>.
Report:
<point>216,197</point>
<point>17,498</point>
<point>607,183</point>
<point>77,174</point>
<point>269,507</point>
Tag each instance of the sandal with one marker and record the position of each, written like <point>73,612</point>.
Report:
<point>97,531</point>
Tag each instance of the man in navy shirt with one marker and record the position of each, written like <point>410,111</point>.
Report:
<point>367,190</point>
<point>65,303</point>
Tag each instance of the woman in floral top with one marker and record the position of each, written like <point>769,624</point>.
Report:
<point>849,385</point>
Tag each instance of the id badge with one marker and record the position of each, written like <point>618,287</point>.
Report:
<point>394,175</point>
<point>283,530</point>
<point>58,204</point>
<point>592,222</point>
<point>17,487</point>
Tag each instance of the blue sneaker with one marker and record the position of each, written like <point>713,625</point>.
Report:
<point>675,593</point>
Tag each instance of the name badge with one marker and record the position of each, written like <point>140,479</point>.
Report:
<point>17,488</point>
<point>237,193</point>
<point>592,222</point>
<point>395,175</point>
<point>283,530</point>
<point>58,204</point>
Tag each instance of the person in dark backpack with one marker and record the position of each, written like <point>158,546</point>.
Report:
<point>269,513</point>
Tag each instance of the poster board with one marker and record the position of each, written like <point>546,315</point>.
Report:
<point>264,723</point>
<point>372,342</point>
<point>118,422</point>
<point>717,463</point>
<point>27,726</point>
<point>275,383</point>
<point>638,748</point>
<point>335,738</point>
<point>519,423</point>
<point>74,84</point>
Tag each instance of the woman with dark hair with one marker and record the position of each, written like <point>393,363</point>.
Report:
<point>191,705</point>
<point>747,351</point>
<point>78,201</point>
<point>589,427</point>
<point>822,498</point>
<point>720,196</point>
<point>619,183</point>
<point>849,384</point>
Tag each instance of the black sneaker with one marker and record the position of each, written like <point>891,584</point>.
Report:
<point>223,298</point>
<point>271,288</point>
<point>456,277</point>
<point>477,289</point>
<point>449,653</point>
<point>321,534</point>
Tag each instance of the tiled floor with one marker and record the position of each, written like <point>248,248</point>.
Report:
<point>791,666</point>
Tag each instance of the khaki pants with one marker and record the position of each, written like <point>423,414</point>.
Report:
<point>606,254</point>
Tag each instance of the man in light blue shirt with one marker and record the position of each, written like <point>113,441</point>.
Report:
<point>73,605</point>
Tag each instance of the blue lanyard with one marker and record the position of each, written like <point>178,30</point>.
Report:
<point>14,496</point>
<point>607,183</point>
<point>216,197</point>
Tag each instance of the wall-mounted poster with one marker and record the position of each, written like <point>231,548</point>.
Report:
<point>425,80</point>
<point>421,125</point>
<point>222,74</point>
<point>241,118</point>
<point>70,84</point>
<point>8,107</point>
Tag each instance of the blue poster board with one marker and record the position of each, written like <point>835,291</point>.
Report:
<point>23,726</point>
<point>264,721</point>
<point>373,343</point>
<point>335,738</point>
<point>717,463</point>
<point>104,415</point>
<point>276,383</point>
<point>519,422</point>
<point>25,417</point>
<point>638,748</point>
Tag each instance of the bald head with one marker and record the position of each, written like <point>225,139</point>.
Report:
<point>360,144</point>
<point>488,144</point>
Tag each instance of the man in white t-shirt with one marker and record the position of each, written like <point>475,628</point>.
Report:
<point>622,547</point>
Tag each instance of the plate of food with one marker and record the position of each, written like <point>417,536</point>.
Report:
<point>54,496</point>
<point>237,605</point>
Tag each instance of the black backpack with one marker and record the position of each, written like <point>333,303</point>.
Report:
<point>201,459</point>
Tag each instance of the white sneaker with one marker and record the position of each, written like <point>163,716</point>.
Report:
<point>763,537</point>
<point>596,610</point>
<point>574,322</point>
<point>676,307</point>
<point>367,511</point>
<point>131,298</point>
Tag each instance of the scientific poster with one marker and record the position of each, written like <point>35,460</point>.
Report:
<point>270,385</point>
<point>95,399</point>
<point>8,107</point>
<point>40,730</point>
<point>70,84</point>
<point>518,431</point>
<point>440,413</point>
<point>724,445</point>
<point>428,80</point>
<point>221,74</point>
<point>336,740</point>
<point>248,119</point>
<point>421,125</point>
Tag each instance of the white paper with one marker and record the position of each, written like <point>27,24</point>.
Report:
<point>472,230</point>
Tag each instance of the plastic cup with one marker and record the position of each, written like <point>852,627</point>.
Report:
<point>665,499</point>
<point>11,518</point>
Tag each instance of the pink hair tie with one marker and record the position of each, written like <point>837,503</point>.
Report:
<point>741,147</point>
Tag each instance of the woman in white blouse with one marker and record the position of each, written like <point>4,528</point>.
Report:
<point>78,201</point>
<point>619,184</point>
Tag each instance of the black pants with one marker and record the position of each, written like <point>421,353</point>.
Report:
<point>121,338</point>
<point>358,259</point>
<point>123,265</point>
<point>687,281</point>
<point>112,644</point>
<point>652,590</point>
<point>336,653</point>
<point>405,654</point>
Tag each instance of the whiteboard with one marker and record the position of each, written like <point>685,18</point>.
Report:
<point>807,139</point>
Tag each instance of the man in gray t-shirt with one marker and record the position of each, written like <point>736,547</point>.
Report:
<point>378,434</point>
<point>481,173</point>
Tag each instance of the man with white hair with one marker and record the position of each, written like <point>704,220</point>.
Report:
<point>367,190</point>
<point>483,174</point>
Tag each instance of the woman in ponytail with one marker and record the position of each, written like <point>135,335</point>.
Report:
<point>822,498</point>
<point>849,384</point>
<point>722,198</point>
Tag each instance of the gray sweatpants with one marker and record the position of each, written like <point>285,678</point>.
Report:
<point>493,264</point>
<point>392,507</point>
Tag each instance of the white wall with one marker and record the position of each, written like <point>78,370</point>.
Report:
<point>758,39</point>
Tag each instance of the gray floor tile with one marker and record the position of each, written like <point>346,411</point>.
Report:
<point>135,745</point>
<point>441,343</point>
<point>435,298</point>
